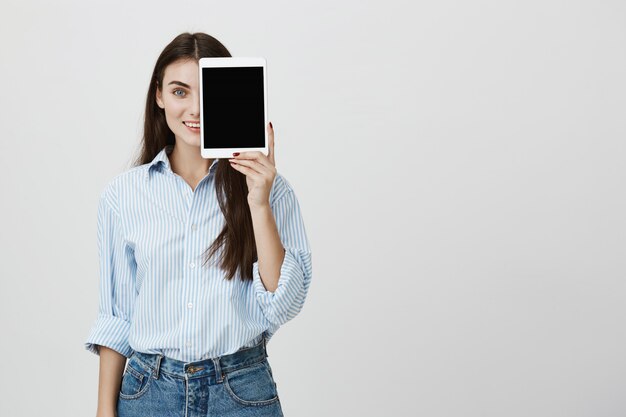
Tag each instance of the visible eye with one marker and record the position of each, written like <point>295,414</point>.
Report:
<point>179,95</point>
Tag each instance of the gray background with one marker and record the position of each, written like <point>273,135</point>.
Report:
<point>460,169</point>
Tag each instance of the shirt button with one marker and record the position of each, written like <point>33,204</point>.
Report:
<point>190,305</point>
<point>188,343</point>
<point>194,227</point>
<point>192,265</point>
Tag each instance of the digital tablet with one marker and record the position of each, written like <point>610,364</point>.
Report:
<point>233,106</point>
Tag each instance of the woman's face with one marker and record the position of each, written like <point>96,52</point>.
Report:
<point>180,97</point>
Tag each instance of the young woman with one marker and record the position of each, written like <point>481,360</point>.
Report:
<point>201,261</point>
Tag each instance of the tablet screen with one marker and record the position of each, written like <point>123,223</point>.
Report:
<point>233,107</point>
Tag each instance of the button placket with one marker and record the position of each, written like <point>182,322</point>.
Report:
<point>193,263</point>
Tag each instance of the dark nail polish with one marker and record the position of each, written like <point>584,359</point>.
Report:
<point>271,125</point>
<point>236,153</point>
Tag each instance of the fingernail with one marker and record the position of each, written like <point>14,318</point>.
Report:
<point>271,125</point>
<point>236,153</point>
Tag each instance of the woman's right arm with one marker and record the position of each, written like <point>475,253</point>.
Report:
<point>109,337</point>
<point>112,366</point>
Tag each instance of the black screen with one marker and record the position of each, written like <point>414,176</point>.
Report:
<point>233,106</point>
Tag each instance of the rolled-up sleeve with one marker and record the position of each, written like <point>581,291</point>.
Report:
<point>117,282</point>
<point>287,300</point>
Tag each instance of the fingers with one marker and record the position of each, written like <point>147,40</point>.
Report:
<point>248,172</point>
<point>254,165</point>
<point>270,135</point>
<point>268,161</point>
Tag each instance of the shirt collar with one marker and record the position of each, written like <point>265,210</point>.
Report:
<point>162,160</point>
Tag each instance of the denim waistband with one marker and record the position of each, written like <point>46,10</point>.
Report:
<point>214,367</point>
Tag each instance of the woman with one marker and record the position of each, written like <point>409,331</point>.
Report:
<point>201,261</point>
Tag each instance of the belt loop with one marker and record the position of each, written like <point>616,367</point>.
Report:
<point>218,370</point>
<point>158,366</point>
<point>265,345</point>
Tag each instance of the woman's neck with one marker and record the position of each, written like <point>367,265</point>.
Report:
<point>187,161</point>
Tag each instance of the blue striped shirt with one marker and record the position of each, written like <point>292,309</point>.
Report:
<point>155,294</point>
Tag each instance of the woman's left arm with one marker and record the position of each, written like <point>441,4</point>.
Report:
<point>283,271</point>
<point>270,250</point>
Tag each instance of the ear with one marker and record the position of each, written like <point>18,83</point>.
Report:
<point>159,99</point>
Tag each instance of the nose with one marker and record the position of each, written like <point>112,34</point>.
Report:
<point>195,107</point>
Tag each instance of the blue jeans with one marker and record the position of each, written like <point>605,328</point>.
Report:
<point>239,384</point>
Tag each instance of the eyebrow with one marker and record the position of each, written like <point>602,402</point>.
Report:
<point>180,83</point>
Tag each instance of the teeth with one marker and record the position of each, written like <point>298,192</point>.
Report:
<point>192,124</point>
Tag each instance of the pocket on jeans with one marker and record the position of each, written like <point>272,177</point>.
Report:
<point>252,385</point>
<point>136,380</point>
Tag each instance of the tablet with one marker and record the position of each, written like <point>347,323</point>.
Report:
<point>233,106</point>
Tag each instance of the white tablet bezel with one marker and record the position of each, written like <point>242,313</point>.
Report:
<point>232,62</point>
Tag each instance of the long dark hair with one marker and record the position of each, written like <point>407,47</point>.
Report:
<point>237,237</point>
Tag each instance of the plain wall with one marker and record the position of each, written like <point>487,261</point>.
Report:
<point>460,169</point>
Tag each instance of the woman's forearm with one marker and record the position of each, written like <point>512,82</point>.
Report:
<point>112,366</point>
<point>269,247</point>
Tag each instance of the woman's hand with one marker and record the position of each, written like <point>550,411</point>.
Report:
<point>259,170</point>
